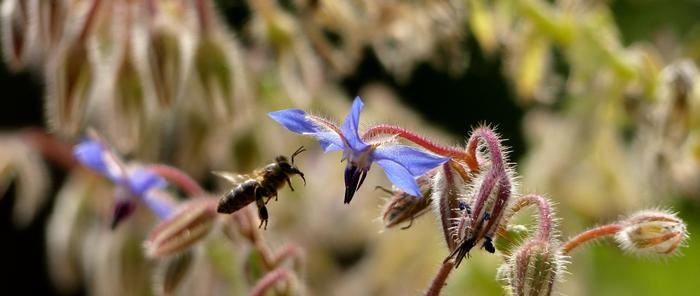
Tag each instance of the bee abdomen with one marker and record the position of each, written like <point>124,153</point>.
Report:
<point>238,197</point>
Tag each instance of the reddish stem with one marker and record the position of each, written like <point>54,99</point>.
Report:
<point>269,280</point>
<point>468,158</point>
<point>440,278</point>
<point>589,235</point>
<point>50,147</point>
<point>288,251</point>
<point>89,20</point>
<point>152,7</point>
<point>544,229</point>
<point>182,180</point>
<point>202,7</point>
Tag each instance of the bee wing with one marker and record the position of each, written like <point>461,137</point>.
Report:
<point>231,177</point>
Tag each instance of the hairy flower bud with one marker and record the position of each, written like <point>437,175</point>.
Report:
<point>183,229</point>
<point>652,232</point>
<point>402,207</point>
<point>448,187</point>
<point>488,196</point>
<point>533,269</point>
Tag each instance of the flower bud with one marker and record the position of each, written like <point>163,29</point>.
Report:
<point>214,74</point>
<point>17,33</point>
<point>448,187</point>
<point>69,77</point>
<point>488,196</point>
<point>402,207</point>
<point>183,229</point>
<point>652,232</point>
<point>167,45</point>
<point>532,269</point>
<point>171,272</point>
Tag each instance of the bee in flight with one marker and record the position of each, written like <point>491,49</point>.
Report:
<point>259,186</point>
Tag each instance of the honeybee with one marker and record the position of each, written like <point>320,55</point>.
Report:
<point>259,186</point>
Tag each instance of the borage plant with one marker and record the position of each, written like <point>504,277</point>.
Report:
<point>473,191</point>
<point>185,232</point>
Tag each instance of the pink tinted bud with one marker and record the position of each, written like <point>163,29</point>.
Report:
<point>188,225</point>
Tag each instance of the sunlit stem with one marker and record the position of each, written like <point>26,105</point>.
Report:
<point>589,235</point>
<point>452,152</point>
<point>440,278</point>
<point>179,178</point>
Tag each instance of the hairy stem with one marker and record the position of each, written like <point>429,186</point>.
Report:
<point>544,229</point>
<point>440,278</point>
<point>589,235</point>
<point>419,140</point>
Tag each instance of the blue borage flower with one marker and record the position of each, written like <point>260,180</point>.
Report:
<point>401,164</point>
<point>134,183</point>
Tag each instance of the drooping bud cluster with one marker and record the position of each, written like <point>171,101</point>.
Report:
<point>115,64</point>
<point>488,196</point>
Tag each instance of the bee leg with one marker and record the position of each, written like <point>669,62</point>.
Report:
<point>262,210</point>
<point>289,182</point>
<point>410,223</point>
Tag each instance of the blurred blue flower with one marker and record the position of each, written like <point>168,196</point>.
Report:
<point>401,164</point>
<point>134,183</point>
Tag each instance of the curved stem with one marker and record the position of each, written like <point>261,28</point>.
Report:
<point>419,140</point>
<point>182,180</point>
<point>440,278</point>
<point>589,235</point>
<point>268,281</point>
<point>544,229</point>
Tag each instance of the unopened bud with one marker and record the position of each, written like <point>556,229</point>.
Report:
<point>69,77</point>
<point>652,232</point>
<point>172,272</point>
<point>17,36</point>
<point>533,269</point>
<point>448,188</point>
<point>183,229</point>
<point>402,207</point>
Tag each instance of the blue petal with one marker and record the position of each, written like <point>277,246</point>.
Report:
<point>417,162</point>
<point>91,153</point>
<point>400,176</point>
<point>162,207</point>
<point>297,121</point>
<point>142,180</point>
<point>350,125</point>
<point>330,141</point>
<point>294,120</point>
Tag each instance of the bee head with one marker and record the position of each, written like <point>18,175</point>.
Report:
<point>290,168</point>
